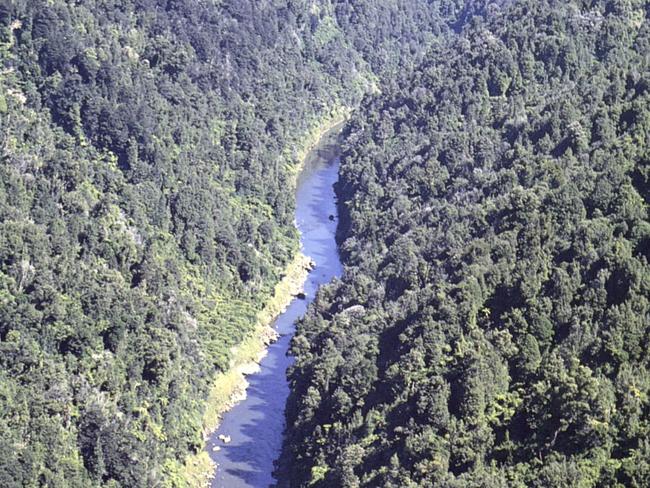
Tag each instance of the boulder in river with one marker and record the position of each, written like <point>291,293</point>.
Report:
<point>301,296</point>
<point>224,438</point>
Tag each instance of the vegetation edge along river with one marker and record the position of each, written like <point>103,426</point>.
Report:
<point>145,209</point>
<point>492,325</point>
<point>229,387</point>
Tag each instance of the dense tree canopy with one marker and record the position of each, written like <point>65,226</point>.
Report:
<point>493,324</point>
<point>147,151</point>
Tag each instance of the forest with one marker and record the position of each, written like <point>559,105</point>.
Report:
<point>492,326</point>
<point>148,149</point>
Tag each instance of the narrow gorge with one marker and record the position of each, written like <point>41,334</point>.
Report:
<point>249,438</point>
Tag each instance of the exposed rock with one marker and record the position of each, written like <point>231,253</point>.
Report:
<point>249,369</point>
<point>354,310</point>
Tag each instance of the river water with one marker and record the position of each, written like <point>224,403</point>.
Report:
<point>257,423</point>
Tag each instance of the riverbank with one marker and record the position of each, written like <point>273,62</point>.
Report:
<point>229,388</point>
<point>250,436</point>
<point>321,138</point>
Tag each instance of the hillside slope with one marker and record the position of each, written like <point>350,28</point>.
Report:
<point>148,151</point>
<point>493,322</point>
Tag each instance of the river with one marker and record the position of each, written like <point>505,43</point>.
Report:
<point>256,424</point>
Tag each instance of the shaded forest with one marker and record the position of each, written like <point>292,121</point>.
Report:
<point>148,149</point>
<point>492,326</point>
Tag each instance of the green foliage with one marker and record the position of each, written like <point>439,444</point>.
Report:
<point>492,325</point>
<point>146,214</point>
